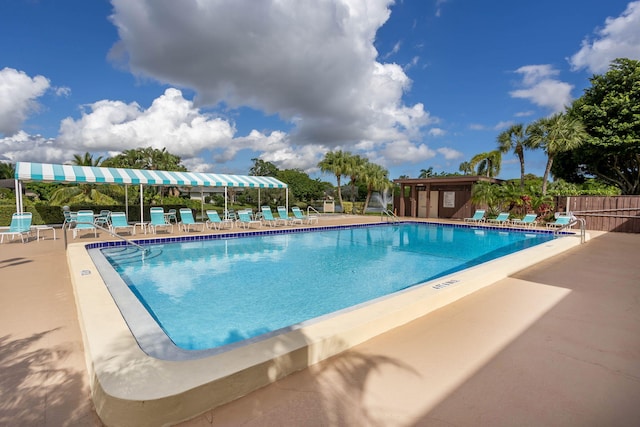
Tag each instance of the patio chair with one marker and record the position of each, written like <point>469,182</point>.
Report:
<point>529,220</point>
<point>216,222</point>
<point>309,219</point>
<point>477,217</point>
<point>20,225</point>
<point>84,221</point>
<point>158,219</point>
<point>560,222</point>
<point>103,218</point>
<point>172,215</point>
<point>285,218</point>
<point>501,219</point>
<point>186,220</point>
<point>69,218</point>
<point>245,221</point>
<point>267,216</point>
<point>118,221</point>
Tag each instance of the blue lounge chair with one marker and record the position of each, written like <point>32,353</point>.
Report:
<point>477,217</point>
<point>119,221</point>
<point>84,221</point>
<point>560,221</point>
<point>20,225</point>
<point>529,220</point>
<point>158,219</point>
<point>309,219</point>
<point>245,220</point>
<point>216,222</point>
<point>267,216</point>
<point>285,218</point>
<point>187,221</point>
<point>501,219</point>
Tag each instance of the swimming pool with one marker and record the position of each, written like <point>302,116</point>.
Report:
<point>130,387</point>
<point>216,294</point>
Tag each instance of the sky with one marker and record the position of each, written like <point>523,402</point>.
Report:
<point>408,84</point>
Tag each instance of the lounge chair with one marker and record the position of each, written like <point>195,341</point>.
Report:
<point>560,221</point>
<point>267,216</point>
<point>20,225</point>
<point>216,222</point>
<point>158,219</point>
<point>245,221</point>
<point>309,219</point>
<point>477,217</point>
<point>84,221</point>
<point>501,219</point>
<point>529,220</point>
<point>186,220</point>
<point>118,221</point>
<point>285,218</point>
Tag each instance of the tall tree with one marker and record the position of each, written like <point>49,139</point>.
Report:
<point>610,111</point>
<point>488,163</point>
<point>335,162</point>
<point>376,178</point>
<point>426,173</point>
<point>466,168</point>
<point>263,168</point>
<point>86,160</point>
<point>146,158</point>
<point>515,139</point>
<point>7,170</point>
<point>556,134</point>
<point>354,170</point>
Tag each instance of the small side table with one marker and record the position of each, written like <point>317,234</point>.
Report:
<point>40,228</point>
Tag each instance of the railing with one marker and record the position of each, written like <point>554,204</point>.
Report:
<point>311,208</point>
<point>388,215</point>
<point>66,227</point>
<point>574,221</point>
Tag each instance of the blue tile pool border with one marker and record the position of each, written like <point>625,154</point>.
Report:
<point>267,232</point>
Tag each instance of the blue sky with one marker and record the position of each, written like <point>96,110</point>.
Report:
<point>408,84</point>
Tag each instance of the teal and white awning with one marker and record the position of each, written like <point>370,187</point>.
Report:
<point>26,171</point>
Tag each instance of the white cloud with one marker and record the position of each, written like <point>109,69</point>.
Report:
<point>18,95</point>
<point>32,148</point>
<point>449,153</point>
<point>542,88</point>
<point>503,125</point>
<point>171,121</point>
<point>311,63</point>
<point>401,151</point>
<point>620,38</point>
<point>437,132</point>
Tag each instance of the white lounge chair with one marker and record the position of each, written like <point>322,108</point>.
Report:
<point>309,219</point>
<point>477,217</point>
<point>119,221</point>
<point>245,221</point>
<point>216,222</point>
<point>285,218</point>
<point>187,221</point>
<point>158,219</point>
<point>84,221</point>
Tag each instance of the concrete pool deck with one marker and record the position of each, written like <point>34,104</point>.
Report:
<point>555,344</point>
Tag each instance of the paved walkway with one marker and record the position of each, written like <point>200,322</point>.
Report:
<point>558,344</point>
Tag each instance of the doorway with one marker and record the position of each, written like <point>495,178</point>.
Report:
<point>433,204</point>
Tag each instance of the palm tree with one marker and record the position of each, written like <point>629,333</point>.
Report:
<point>515,139</point>
<point>354,169</point>
<point>556,134</point>
<point>426,173</point>
<point>7,170</point>
<point>466,168</point>
<point>335,162</point>
<point>86,160</point>
<point>488,163</point>
<point>376,178</point>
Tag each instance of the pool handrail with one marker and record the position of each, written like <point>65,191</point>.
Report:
<point>127,241</point>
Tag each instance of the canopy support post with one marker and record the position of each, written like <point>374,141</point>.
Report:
<point>141,205</point>
<point>226,211</point>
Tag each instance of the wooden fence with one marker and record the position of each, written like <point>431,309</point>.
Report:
<point>604,213</point>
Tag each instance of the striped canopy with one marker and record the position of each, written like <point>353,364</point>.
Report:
<point>26,171</point>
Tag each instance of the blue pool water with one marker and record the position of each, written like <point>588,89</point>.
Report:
<point>210,293</point>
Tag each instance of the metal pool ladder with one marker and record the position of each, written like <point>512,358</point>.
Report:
<point>583,224</point>
<point>388,216</point>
